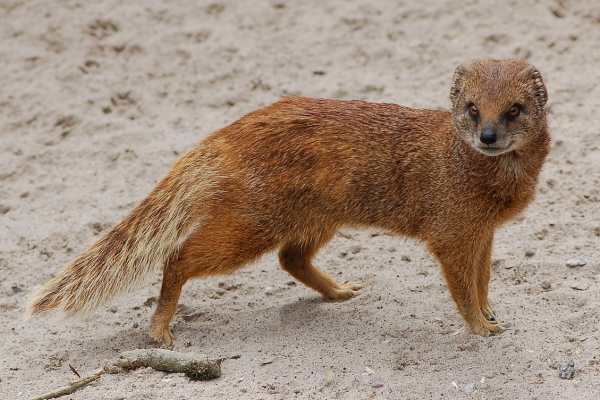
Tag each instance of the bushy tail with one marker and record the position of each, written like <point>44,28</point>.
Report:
<point>147,239</point>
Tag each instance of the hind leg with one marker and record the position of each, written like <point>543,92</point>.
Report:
<point>170,291</point>
<point>216,249</point>
<point>296,260</point>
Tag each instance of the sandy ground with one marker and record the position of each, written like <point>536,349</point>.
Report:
<point>98,99</point>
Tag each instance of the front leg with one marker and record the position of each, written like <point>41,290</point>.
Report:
<point>466,267</point>
<point>483,279</point>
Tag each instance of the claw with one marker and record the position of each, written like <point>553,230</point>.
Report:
<point>346,290</point>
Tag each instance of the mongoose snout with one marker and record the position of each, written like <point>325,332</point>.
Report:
<point>489,135</point>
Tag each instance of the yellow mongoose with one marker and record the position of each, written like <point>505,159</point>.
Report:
<point>288,176</point>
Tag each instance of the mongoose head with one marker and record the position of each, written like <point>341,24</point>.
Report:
<point>498,106</point>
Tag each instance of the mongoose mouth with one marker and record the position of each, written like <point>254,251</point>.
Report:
<point>494,151</point>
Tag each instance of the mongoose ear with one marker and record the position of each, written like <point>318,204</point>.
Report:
<point>539,88</point>
<point>458,84</point>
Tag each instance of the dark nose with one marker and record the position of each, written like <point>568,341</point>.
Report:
<point>488,136</point>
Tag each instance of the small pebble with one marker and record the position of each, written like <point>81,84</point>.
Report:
<point>356,249</point>
<point>270,290</point>
<point>529,253</point>
<point>575,262</point>
<point>16,289</point>
<point>546,285</point>
<point>566,369</point>
<point>471,388</point>
<point>579,286</point>
<point>377,383</point>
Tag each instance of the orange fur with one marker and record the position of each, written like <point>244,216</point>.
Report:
<point>288,176</point>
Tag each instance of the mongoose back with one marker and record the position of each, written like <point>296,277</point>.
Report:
<point>288,176</point>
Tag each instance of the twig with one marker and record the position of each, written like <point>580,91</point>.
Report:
<point>74,386</point>
<point>74,371</point>
<point>271,361</point>
<point>195,366</point>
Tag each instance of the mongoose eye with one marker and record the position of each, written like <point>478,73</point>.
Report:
<point>473,110</point>
<point>514,111</point>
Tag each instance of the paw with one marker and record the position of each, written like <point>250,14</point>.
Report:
<point>162,335</point>
<point>346,290</point>
<point>490,328</point>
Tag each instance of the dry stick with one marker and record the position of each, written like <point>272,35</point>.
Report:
<point>195,366</point>
<point>70,389</point>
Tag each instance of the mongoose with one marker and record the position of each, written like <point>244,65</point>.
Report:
<point>286,177</point>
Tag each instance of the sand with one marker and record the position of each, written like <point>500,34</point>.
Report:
<point>98,99</point>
